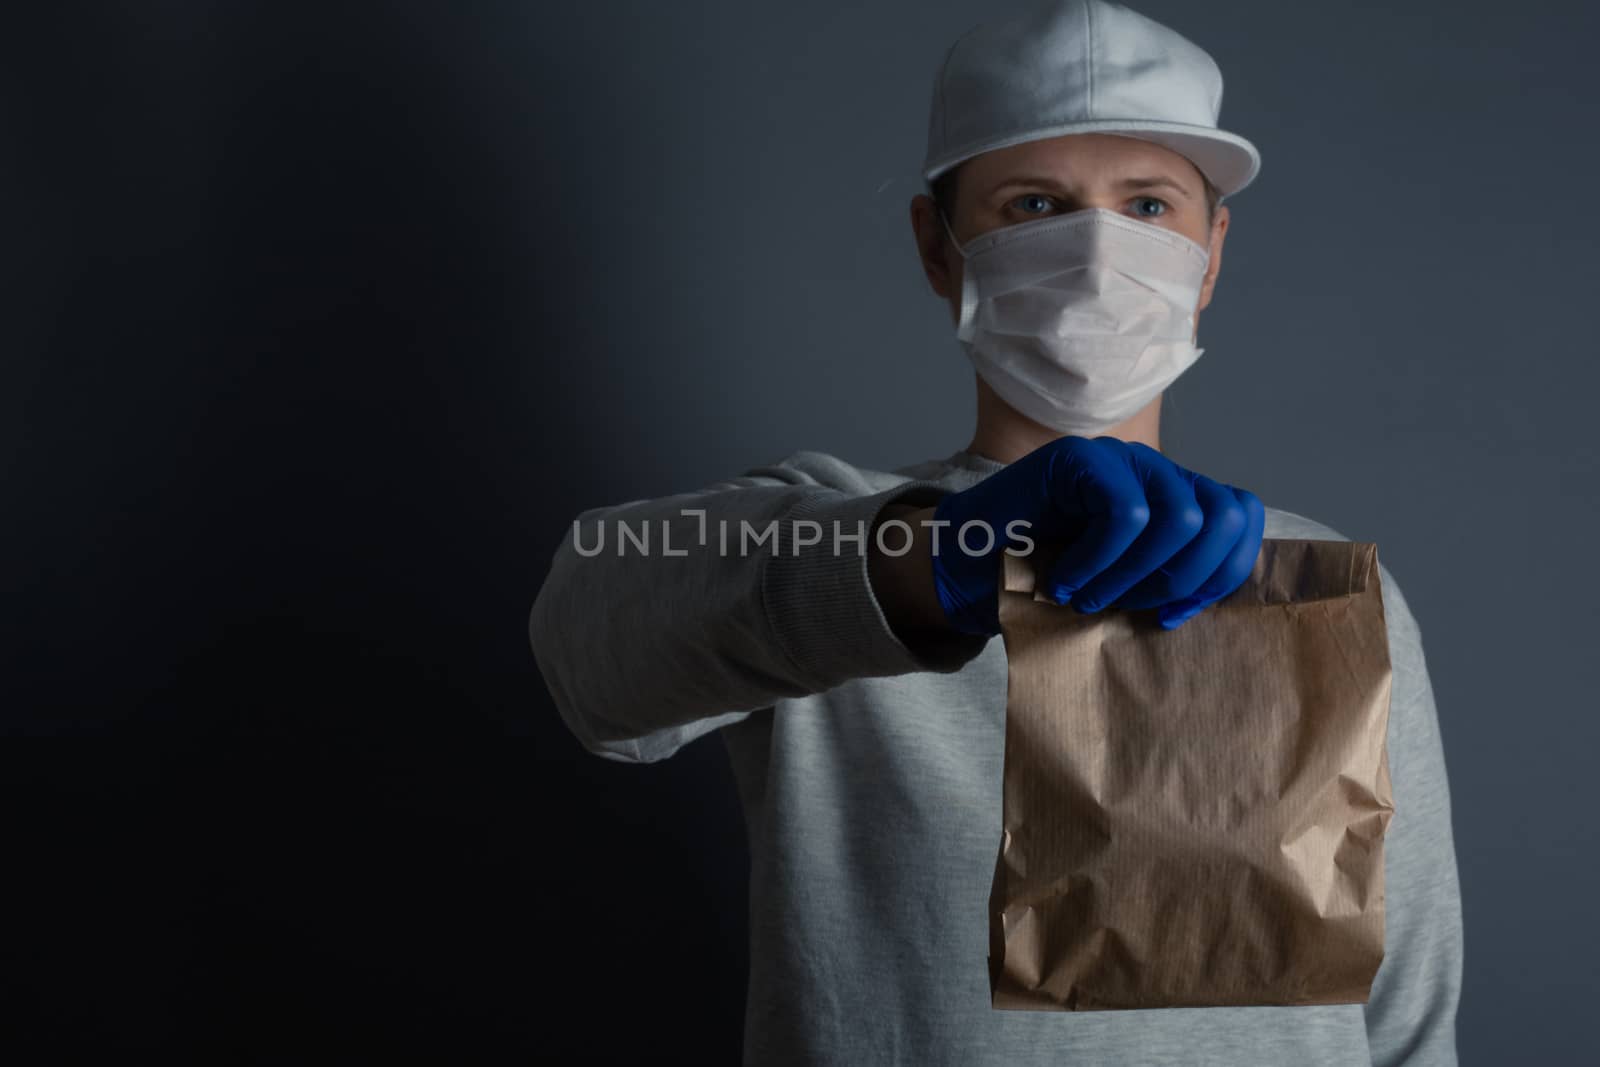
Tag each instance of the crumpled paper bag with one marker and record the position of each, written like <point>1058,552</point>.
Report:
<point>1195,817</point>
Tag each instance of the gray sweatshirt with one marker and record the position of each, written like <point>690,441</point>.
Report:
<point>870,776</point>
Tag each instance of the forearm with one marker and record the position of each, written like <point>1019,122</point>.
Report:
<point>631,642</point>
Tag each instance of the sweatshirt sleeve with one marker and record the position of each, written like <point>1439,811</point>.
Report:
<point>662,620</point>
<point>1411,1012</point>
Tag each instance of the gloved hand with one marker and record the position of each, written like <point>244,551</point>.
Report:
<point>1139,532</point>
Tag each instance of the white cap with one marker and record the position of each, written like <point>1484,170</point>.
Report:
<point>1082,66</point>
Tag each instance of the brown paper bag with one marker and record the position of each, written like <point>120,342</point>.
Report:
<point>1195,817</point>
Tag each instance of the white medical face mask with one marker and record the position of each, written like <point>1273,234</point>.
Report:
<point>1079,320</point>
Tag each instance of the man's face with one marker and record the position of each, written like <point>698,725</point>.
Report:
<point>1009,186</point>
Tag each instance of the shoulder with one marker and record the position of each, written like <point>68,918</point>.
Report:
<point>810,467</point>
<point>1282,523</point>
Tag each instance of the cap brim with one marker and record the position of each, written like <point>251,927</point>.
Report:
<point>1229,161</point>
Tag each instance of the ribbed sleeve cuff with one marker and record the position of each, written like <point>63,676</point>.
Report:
<point>818,596</point>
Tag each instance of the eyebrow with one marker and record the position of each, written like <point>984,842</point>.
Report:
<point>1155,181</point>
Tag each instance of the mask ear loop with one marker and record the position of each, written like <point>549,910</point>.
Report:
<point>969,289</point>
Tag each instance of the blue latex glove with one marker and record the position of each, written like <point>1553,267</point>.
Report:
<point>1139,532</point>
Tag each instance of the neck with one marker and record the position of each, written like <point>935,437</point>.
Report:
<point>1006,435</point>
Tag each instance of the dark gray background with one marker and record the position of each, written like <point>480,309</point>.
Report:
<point>325,319</point>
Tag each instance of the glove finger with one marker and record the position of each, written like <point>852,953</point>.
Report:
<point>1176,518</point>
<point>1100,492</point>
<point>1183,575</point>
<point>1238,566</point>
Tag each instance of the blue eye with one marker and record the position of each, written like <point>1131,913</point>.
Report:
<point>1039,204</point>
